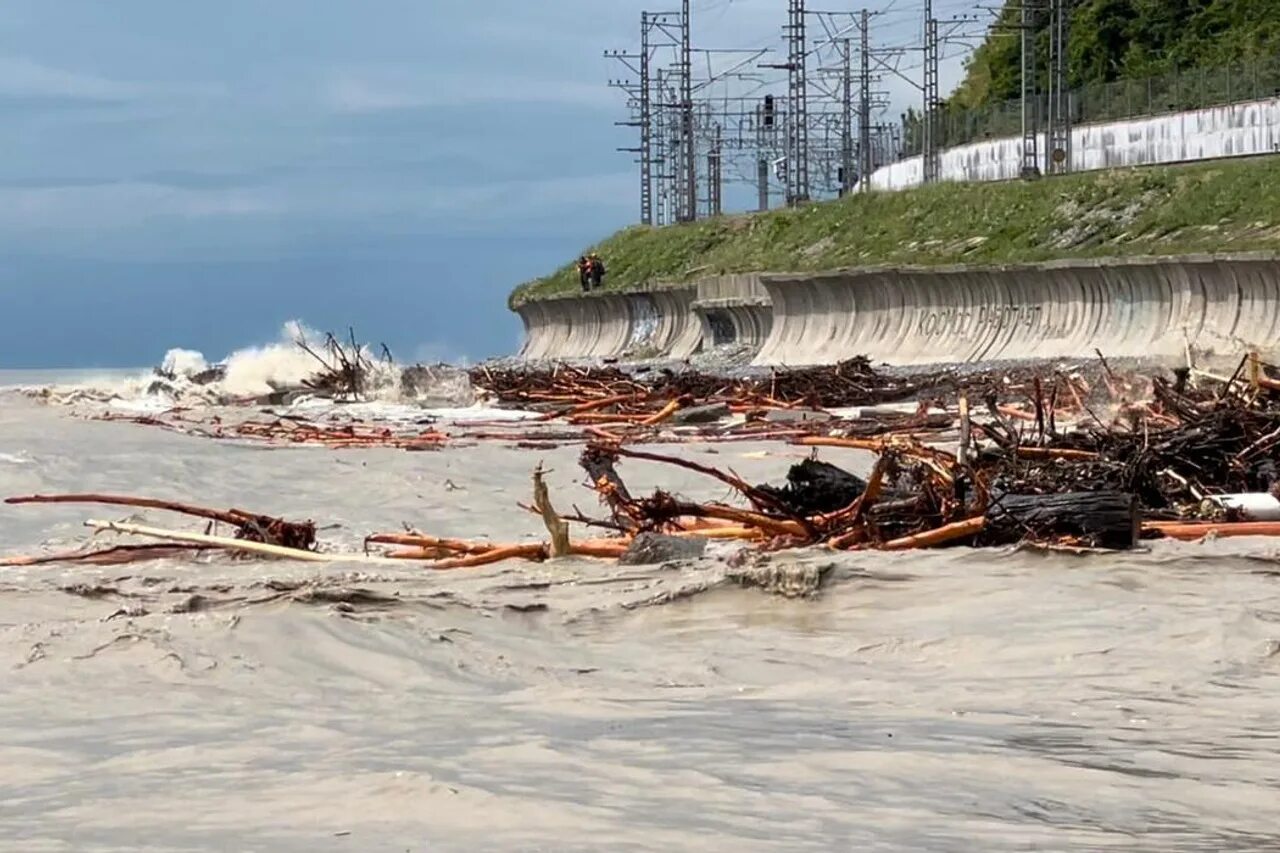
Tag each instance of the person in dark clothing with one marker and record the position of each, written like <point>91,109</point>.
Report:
<point>584,273</point>
<point>597,271</point>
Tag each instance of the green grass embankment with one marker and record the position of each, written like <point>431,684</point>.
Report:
<point>1210,207</point>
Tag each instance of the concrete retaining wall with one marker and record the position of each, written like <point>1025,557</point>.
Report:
<point>1139,307</point>
<point>1235,130</point>
<point>734,310</point>
<point>922,315</point>
<point>612,325</point>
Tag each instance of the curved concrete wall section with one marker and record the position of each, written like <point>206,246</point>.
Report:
<point>1150,307</point>
<point>611,325</point>
<point>675,332</point>
<point>923,315</point>
<point>1235,130</point>
<point>747,326</point>
<point>663,321</point>
<point>575,327</point>
<point>734,310</point>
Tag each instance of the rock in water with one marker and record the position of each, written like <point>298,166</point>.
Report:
<point>789,580</point>
<point>649,549</point>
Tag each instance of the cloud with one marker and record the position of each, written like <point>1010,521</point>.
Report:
<point>23,78</point>
<point>111,206</point>
<point>386,91</point>
<point>25,83</point>
<point>350,95</point>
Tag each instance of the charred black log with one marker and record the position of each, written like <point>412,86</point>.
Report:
<point>815,487</point>
<point>1091,519</point>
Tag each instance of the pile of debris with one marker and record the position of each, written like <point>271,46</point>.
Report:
<point>335,431</point>
<point>346,367</point>
<point>1034,461</point>
<point>646,390</point>
<point>1188,463</point>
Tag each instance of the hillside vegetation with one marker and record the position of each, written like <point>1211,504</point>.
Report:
<point>1209,207</point>
<point>1125,39</point>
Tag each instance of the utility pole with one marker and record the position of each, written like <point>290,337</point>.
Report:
<point>714,185</point>
<point>865,167</point>
<point>638,98</point>
<point>798,106</point>
<point>646,126</point>
<point>931,147</point>
<point>661,208</point>
<point>1030,133</point>
<point>1058,149</point>
<point>766,124</point>
<point>846,118</point>
<point>688,166</point>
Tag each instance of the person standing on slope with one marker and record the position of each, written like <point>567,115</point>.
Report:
<point>597,271</point>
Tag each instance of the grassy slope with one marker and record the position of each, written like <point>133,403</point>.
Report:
<point>1214,207</point>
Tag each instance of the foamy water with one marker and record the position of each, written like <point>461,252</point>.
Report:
<point>250,375</point>
<point>939,701</point>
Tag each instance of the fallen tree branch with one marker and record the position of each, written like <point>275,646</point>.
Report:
<point>229,544</point>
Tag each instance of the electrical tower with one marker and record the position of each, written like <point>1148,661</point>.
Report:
<point>641,100</point>
<point>931,143</point>
<point>846,117</point>
<point>798,105</point>
<point>646,125</point>
<point>1030,131</point>
<point>662,202</point>
<point>715,186</point>
<point>638,97</point>
<point>814,134</point>
<point>866,163</point>
<point>1058,149</point>
<point>766,131</point>
<point>688,207</point>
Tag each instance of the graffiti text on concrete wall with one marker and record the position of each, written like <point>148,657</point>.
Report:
<point>644,320</point>
<point>985,320</point>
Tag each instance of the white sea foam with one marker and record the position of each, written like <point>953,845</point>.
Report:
<point>183,362</point>
<point>296,356</point>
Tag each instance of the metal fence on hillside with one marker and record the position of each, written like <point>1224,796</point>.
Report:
<point>1170,93</point>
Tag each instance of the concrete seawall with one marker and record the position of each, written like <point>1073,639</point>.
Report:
<point>1137,307</point>
<point>660,321</point>
<point>920,315</point>
<point>734,310</point>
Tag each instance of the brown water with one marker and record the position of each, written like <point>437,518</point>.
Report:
<point>958,700</point>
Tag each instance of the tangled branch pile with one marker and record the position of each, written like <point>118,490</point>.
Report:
<point>850,383</point>
<point>1043,464</point>
<point>346,367</point>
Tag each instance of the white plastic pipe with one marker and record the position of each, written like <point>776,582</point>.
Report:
<point>1253,507</point>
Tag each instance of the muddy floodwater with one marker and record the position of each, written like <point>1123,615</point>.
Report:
<point>955,700</point>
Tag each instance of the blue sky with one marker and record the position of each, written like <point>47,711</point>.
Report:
<point>195,174</point>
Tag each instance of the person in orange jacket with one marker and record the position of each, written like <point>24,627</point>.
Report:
<point>597,271</point>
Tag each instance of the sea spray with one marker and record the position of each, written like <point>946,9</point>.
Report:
<point>272,373</point>
<point>256,371</point>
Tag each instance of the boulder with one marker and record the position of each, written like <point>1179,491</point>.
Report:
<point>701,414</point>
<point>650,549</point>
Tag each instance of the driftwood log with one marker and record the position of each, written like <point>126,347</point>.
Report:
<point>1102,519</point>
<point>815,487</point>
